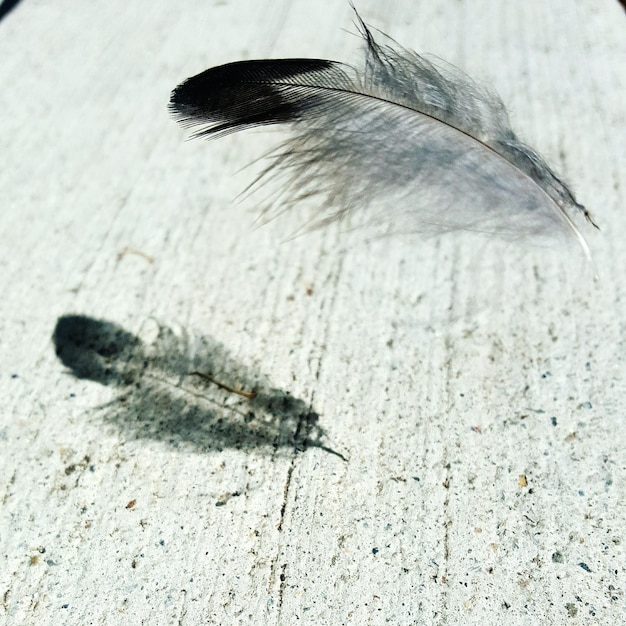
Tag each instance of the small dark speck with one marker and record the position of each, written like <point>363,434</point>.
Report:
<point>417,478</point>
<point>50,563</point>
<point>65,606</point>
<point>557,557</point>
<point>585,405</point>
<point>312,418</point>
<point>546,374</point>
<point>14,376</point>
<point>374,550</point>
<point>553,421</point>
<point>162,542</point>
<point>581,492</point>
<point>72,395</point>
<point>585,566</point>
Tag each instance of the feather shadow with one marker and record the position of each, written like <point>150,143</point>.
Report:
<point>6,7</point>
<point>159,400</point>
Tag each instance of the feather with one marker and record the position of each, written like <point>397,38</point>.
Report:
<point>417,140</point>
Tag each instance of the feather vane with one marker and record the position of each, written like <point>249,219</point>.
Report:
<point>417,140</point>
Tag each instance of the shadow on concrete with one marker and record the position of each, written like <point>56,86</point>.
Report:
<point>6,7</point>
<point>159,398</point>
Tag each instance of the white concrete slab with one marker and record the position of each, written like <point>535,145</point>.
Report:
<point>439,432</point>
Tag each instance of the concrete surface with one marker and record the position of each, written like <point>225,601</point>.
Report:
<point>438,435</point>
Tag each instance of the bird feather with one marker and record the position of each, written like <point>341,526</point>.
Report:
<point>416,139</point>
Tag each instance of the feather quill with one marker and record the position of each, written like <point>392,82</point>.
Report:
<point>417,139</point>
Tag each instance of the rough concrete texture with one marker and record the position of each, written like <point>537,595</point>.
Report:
<point>438,431</point>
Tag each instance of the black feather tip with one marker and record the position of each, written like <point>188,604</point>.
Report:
<point>246,94</point>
